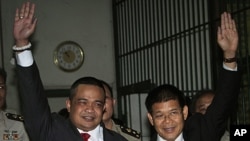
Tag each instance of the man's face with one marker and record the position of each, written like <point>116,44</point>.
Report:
<point>2,92</point>
<point>87,106</point>
<point>168,119</point>
<point>203,102</point>
<point>109,105</point>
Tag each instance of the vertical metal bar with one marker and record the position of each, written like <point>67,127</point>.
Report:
<point>127,57</point>
<point>206,44</point>
<point>175,40</point>
<point>167,69</point>
<point>140,39</point>
<point>142,35</point>
<point>158,46</point>
<point>137,41</point>
<point>128,42</point>
<point>195,46</point>
<point>171,78</point>
<point>200,61</point>
<point>147,35</point>
<point>185,50</point>
<point>121,44</point>
<point>124,47</point>
<point>163,33</point>
<point>179,20</point>
<point>152,37</point>
<point>130,48</point>
<point>133,43</point>
<point>190,46</point>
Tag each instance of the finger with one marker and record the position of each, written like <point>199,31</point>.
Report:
<point>234,26</point>
<point>226,20</point>
<point>31,11</point>
<point>230,24</point>
<point>17,15</point>
<point>219,34</point>
<point>223,21</point>
<point>27,9</point>
<point>21,13</point>
<point>34,24</point>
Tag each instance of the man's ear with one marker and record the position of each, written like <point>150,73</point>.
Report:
<point>114,102</point>
<point>150,118</point>
<point>68,104</point>
<point>104,108</point>
<point>185,112</point>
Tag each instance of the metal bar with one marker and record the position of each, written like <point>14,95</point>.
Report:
<point>163,30</point>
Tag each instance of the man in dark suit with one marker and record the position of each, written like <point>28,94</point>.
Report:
<point>86,102</point>
<point>167,110</point>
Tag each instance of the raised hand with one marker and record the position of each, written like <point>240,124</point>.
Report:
<point>227,36</point>
<point>24,24</point>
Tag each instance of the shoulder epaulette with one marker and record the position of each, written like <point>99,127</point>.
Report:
<point>130,131</point>
<point>14,117</point>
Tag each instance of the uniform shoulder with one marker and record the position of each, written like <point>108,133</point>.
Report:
<point>118,121</point>
<point>130,131</point>
<point>14,117</point>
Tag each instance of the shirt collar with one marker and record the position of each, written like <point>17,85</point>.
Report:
<point>179,138</point>
<point>95,134</point>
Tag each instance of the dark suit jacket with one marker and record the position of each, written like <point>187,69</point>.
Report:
<point>211,126</point>
<point>40,123</point>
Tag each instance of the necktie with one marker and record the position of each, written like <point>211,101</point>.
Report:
<point>85,136</point>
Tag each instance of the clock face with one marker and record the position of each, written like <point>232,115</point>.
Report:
<point>69,56</point>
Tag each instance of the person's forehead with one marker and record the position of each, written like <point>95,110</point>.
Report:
<point>89,86</point>
<point>207,97</point>
<point>166,105</point>
<point>89,89</point>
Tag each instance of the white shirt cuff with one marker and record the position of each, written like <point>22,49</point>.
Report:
<point>227,68</point>
<point>24,58</point>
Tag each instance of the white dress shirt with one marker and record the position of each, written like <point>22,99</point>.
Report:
<point>95,135</point>
<point>179,138</point>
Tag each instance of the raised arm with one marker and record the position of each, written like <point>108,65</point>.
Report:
<point>34,103</point>
<point>227,38</point>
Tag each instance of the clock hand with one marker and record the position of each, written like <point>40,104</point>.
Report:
<point>66,53</point>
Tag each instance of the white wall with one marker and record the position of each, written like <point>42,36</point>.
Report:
<point>87,22</point>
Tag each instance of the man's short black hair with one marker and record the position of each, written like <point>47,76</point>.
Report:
<point>85,80</point>
<point>164,93</point>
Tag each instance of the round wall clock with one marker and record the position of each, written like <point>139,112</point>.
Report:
<point>68,56</point>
